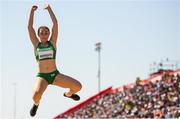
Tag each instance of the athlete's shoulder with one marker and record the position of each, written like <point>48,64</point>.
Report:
<point>52,43</point>
<point>37,45</point>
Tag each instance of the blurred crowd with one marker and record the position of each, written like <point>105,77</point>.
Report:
<point>159,99</point>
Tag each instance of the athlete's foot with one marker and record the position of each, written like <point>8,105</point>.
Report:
<point>33,110</point>
<point>73,96</point>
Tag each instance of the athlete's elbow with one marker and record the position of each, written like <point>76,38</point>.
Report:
<point>55,22</point>
<point>30,26</point>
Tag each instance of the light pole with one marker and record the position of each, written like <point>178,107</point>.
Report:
<point>98,49</point>
<point>14,112</point>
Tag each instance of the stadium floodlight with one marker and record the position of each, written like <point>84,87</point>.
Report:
<point>98,49</point>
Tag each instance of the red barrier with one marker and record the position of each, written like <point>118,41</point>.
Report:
<point>85,102</point>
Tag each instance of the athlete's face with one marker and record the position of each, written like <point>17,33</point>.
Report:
<point>43,34</point>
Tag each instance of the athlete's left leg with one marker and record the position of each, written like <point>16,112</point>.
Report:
<point>65,81</point>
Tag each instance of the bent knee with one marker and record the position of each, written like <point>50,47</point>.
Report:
<point>78,86</point>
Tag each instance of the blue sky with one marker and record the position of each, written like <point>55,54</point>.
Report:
<point>134,34</point>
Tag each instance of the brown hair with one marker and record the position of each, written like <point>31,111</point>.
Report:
<point>42,27</point>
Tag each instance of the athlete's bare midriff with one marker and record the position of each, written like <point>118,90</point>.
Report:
<point>46,66</point>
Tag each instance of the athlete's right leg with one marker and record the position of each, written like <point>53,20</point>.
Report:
<point>39,88</point>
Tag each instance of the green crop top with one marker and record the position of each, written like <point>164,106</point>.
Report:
<point>43,53</point>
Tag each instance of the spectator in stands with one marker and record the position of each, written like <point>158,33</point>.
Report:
<point>159,99</point>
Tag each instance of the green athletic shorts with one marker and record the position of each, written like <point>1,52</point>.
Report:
<point>49,77</point>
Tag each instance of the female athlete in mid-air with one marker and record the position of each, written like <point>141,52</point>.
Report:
<point>45,53</point>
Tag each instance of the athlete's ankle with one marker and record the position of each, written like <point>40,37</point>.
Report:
<point>68,94</point>
<point>35,103</point>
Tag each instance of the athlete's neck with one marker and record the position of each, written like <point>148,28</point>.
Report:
<point>44,43</point>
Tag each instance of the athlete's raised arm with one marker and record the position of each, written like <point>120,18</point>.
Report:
<point>31,30</point>
<point>54,34</point>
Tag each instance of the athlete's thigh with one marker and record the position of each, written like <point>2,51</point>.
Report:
<point>40,85</point>
<point>65,81</point>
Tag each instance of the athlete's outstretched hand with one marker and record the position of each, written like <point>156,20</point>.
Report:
<point>34,7</point>
<point>47,6</point>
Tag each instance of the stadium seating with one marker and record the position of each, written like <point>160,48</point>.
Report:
<point>156,97</point>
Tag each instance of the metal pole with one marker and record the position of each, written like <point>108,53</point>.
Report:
<point>14,112</point>
<point>99,70</point>
<point>98,49</point>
